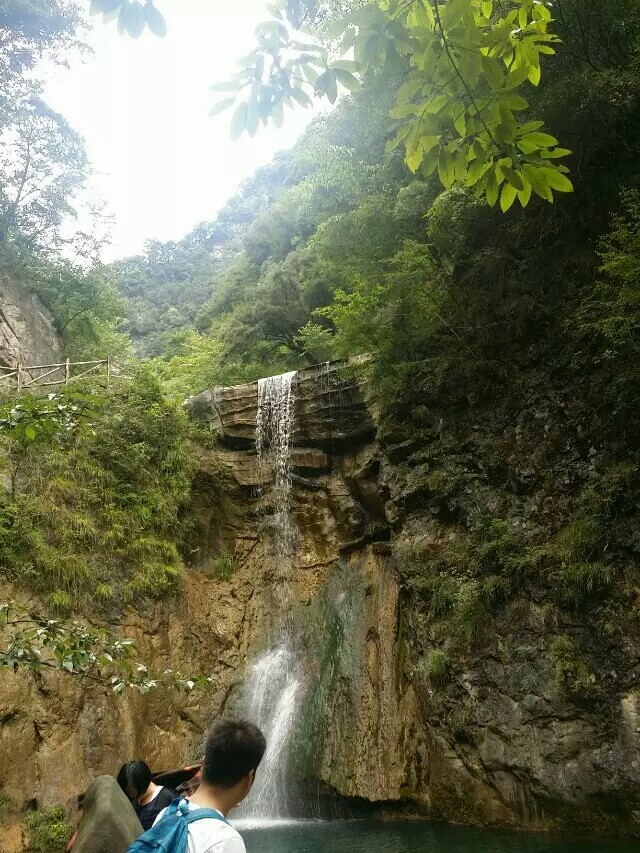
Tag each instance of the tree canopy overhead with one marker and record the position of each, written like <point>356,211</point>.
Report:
<point>461,110</point>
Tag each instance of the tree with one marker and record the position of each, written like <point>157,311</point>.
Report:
<point>31,641</point>
<point>30,30</point>
<point>460,111</point>
<point>43,164</point>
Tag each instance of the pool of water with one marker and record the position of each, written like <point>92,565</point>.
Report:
<point>364,836</point>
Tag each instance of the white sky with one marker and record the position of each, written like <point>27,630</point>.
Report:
<point>142,105</point>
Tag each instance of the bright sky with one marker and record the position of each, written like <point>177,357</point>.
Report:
<point>142,107</point>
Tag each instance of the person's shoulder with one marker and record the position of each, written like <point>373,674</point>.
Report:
<point>216,836</point>
<point>229,842</point>
<point>167,795</point>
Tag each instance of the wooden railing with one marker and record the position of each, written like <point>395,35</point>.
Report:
<point>30,376</point>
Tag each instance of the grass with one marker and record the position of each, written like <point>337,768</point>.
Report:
<point>96,515</point>
<point>223,565</point>
<point>438,668</point>
<point>48,830</point>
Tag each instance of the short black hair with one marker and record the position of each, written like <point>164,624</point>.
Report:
<point>134,778</point>
<point>233,749</point>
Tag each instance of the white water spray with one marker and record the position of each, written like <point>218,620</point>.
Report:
<point>274,683</point>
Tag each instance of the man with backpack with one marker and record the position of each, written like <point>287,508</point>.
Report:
<point>233,751</point>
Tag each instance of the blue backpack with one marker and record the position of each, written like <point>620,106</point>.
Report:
<point>171,832</point>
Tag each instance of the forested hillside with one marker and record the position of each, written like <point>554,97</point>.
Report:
<point>338,248</point>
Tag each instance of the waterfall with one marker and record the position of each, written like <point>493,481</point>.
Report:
<point>274,683</point>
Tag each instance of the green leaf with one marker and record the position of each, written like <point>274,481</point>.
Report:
<point>516,102</point>
<point>525,194</point>
<point>534,74</point>
<point>239,120</point>
<point>310,73</point>
<point>224,86</point>
<point>122,18</point>
<point>460,123</point>
<point>30,433</point>
<point>221,106</point>
<point>452,12</point>
<point>558,181</point>
<point>507,197</point>
<point>346,65</point>
<point>155,20</point>
<point>253,117</point>
<point>336,28</point>
<point>301,97</point>
<point>492,190</point>
<point>347,80</point>
<point>446,167</point>
<point>538,182</point>
<point>277,113</point>
<point>529,127</point>
<point>557,152</point>
<point>134,19</point>
<point>104,6</point>
<point>542,140</point>
<point>476,170</point>
<point>430,161</point>
<point>492,72</point>
<point>421,15</point>
<point>414,158</point>
<point>332,87</point>
<point>487,8</point>
<point>513,177</point>
<point>523,18</point>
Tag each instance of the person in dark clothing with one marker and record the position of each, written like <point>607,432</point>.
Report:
<point>147,798</point>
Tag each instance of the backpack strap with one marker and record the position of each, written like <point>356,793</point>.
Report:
<point>201,814</point>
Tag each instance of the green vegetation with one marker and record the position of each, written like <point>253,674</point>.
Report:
<point>458,110</point>
<point>37,642</point>
<point>437,668</point>
<point>223,566</point>
<point>99,478</point>
<point>48,830</point>
<point>571,673</point>
<point>8,809</point>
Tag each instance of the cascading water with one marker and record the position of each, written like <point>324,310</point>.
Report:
<point>274,684</point>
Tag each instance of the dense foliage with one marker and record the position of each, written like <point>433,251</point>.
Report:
<point>43,171</point>
<point>99,477</point>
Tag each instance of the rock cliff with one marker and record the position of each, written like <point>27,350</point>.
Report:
<point>487,737</point>
<point>27,333</point>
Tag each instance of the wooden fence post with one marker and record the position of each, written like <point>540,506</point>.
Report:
<point>108,371</point>
<point>66,372</point>
<point>19,376</point>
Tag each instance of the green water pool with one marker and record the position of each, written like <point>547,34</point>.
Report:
<point>364,836</point>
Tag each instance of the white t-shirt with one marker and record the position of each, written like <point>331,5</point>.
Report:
<point>211,836</point>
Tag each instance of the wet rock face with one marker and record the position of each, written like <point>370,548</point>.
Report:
<point>497,742</point>
<point>331,411</point>
<point>27,333</point>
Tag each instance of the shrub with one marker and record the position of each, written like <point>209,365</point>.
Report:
<point>224,565</point>
<point>571,675</point>
<point>48,830</point>
<point>96,511</point>
<point>7,808</point>
<point>438,668</point>
<point>578,581</point>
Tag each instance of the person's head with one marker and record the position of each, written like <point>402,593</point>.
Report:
<point>134,778</point>
<point>232,753</point>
